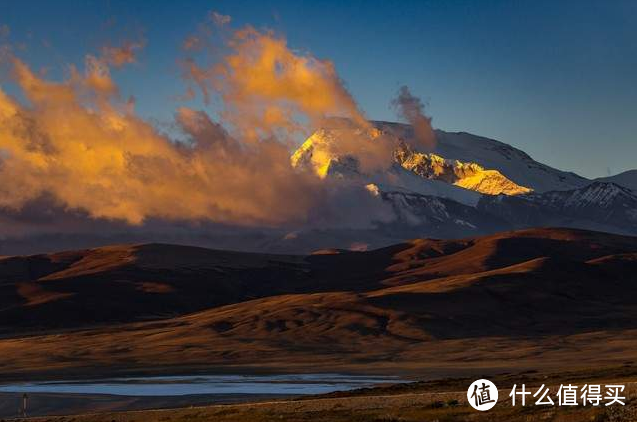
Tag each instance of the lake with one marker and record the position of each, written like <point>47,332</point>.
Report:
<point>297,384</point>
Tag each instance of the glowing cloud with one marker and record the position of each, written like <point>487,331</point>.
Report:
<point>119,56</point>
<point>267,91</point>
<point>78,143</point>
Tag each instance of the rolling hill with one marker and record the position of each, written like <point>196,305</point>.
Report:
<point>515,299</point>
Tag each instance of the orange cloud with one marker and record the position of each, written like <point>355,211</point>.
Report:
<point>263,76</point>
<point>269,91</point>
<point>119,56</point>
<point>114,165</point>
<point>97,76</point>
<point>193,42</point>
<point>79,143</point>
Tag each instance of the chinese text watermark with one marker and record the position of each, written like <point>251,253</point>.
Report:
<point>483,395</point>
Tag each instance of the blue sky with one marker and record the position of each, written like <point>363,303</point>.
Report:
<point>557,79</point>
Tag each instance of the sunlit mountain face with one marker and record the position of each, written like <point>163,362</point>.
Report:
<point>315,152</point>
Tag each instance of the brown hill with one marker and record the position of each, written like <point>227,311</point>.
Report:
<point>153,281</point>
<point>545,296</point>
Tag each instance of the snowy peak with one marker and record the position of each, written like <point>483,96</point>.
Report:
<point>468,175</point>
<point>317,154</point>
<point>488,166</point>
<point>597,206</point>
<point>627,179</point>
<point>511,162</point>
<point>600,195</point>
<point>320,154</point>
<point>313,154</point>
<point>468,183</point>
<point>436,216</point>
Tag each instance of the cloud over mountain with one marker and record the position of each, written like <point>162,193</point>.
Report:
<point>79,143</point>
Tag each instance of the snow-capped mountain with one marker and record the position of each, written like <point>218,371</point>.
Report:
<point>598,196</point>
<point>514,164</point>
<point>627,179</point>
<point>398,179</point>
<point>600,206</point>
<point>467,175</point>
<point>316,153</point>
<point>470,161</point>
<point>319,154</point>
<point>469,184</point>
<point>439,217</point>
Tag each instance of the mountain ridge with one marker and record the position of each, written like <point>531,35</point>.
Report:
<point>626,179</point>
<point>475,172</point>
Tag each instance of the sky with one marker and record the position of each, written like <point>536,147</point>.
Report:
<point>557,79</point>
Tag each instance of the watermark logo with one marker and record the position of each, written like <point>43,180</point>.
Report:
<point>571,395</point>
<point>482,395</point>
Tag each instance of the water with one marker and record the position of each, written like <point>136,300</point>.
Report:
<point>207,384</point>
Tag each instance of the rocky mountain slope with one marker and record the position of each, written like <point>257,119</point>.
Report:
<point>514,164</point>
<point>468,175</point>
<point>627,179</point>
<point>605,206</point>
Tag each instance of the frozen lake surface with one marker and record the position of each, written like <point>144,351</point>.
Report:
<point>205,384</point>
